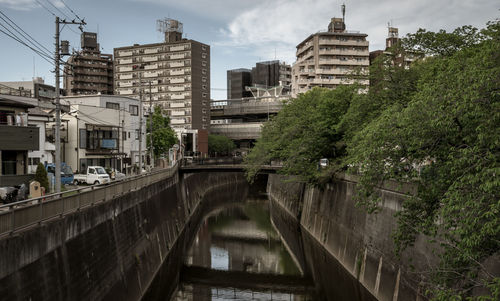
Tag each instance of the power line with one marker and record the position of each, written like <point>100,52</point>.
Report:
<point>41,54</point>
<point>25,33</point>
<point>50,12</point>
<point>57,8</point>
<point>71,10</point>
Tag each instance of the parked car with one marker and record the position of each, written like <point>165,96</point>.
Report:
<point>66,172</point>
<point>94,175</point>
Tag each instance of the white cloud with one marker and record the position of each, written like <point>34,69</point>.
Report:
<point>282,24</point>
<point>19,4</point>
<point>220,10</point>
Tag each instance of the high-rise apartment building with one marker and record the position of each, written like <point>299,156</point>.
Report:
<point>329,59</point>
<point>237,81</point>
<point>88,71</point>
<point>178,72</point>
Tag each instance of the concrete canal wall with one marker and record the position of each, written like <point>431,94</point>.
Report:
<point>349,238</point>
<point>123,247</point>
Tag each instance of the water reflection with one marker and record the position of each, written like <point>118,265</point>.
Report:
<point>237,255</point>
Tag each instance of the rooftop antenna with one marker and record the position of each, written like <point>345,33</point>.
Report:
<point>343,13</point>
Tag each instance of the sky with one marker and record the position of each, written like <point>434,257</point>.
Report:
<point>240,33</point>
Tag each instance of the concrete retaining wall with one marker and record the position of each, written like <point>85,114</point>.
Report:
<point>114,249</point>
<point>361,243</point>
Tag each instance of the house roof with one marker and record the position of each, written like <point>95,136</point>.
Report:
<point>18,101</point>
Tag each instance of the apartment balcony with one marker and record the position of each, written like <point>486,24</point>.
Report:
<point>150,58</point>
<point>343,62</point>
<point>343,43</point>
<point>177,105</point>
<point>177,121</point>
<point>335,71</point>
<point>177,56</point>
<point>126,92</point>
<point>304,48</point>
<point>151,67</point>
<point>149,75</point>
<point>346,52</point>
<point>151,51</point>
<point>177,80</point>
<point>126,76</point>
<point>177,64</point>
<point>20,138</point>
<point>125,61</point>
<point>175,96</point>
<point>125,53</point>
<point>178,48</point>
<point>125,69</point>
<point>178,72</point>
<point>176,89</point>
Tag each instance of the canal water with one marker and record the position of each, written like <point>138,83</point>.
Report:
<point>238,255</point>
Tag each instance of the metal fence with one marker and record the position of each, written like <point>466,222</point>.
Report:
<point>18,215</point>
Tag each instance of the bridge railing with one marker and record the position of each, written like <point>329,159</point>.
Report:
<point>22,214</point>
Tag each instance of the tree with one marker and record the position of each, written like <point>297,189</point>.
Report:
<point>222,145</point>
<point>444,138</point>
<point>304,131</point>
<point>41,176</point>
<point>163,135</point>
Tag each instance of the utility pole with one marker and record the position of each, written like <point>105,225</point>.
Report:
<point>57,59</point>
<point>58,113</point>
<point>151,127</point>
<point>140,123</point>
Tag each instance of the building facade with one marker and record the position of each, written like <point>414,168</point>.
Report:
<point>46,151</point>
<point>174,74</point>
<point>237,81</point>
<point>104,130</point>
<point>17,139</point>
<point>88,71</point>
<point>272,74</point>
<point>331,58</point>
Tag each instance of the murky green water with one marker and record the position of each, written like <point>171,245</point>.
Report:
<point>238,255</point>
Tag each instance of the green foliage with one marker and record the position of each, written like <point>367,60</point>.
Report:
<point>436,125</point>
<point>305,130</point>
<point>41,176</point>
<point>163,135</point>
<point>220,145</point>
<point>444,137</point>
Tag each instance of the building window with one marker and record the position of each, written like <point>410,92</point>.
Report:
<point>204,87</point>
<point>203,71</point>
<point>203,63</point>
<point>204,55</point>
<point>204,94</point>
<point>136,134</point>
<point>34,161</point>
<point>203,48</point>
<point>133,110</point>
<point>124,135</point>
<point>113,105</point>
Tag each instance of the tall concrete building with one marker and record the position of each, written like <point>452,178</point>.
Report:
<point>237,81</point>
<point>264,75</point>
<point>89,72</point>
<point>178,72</point>
<point>329,59</point>
<point>271,74</point>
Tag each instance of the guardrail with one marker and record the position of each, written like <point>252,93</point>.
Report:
<point>22,214</point>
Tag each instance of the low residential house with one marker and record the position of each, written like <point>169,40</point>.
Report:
<point>46,152</point>
<point>17,139</point>
<point>103,130</point>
